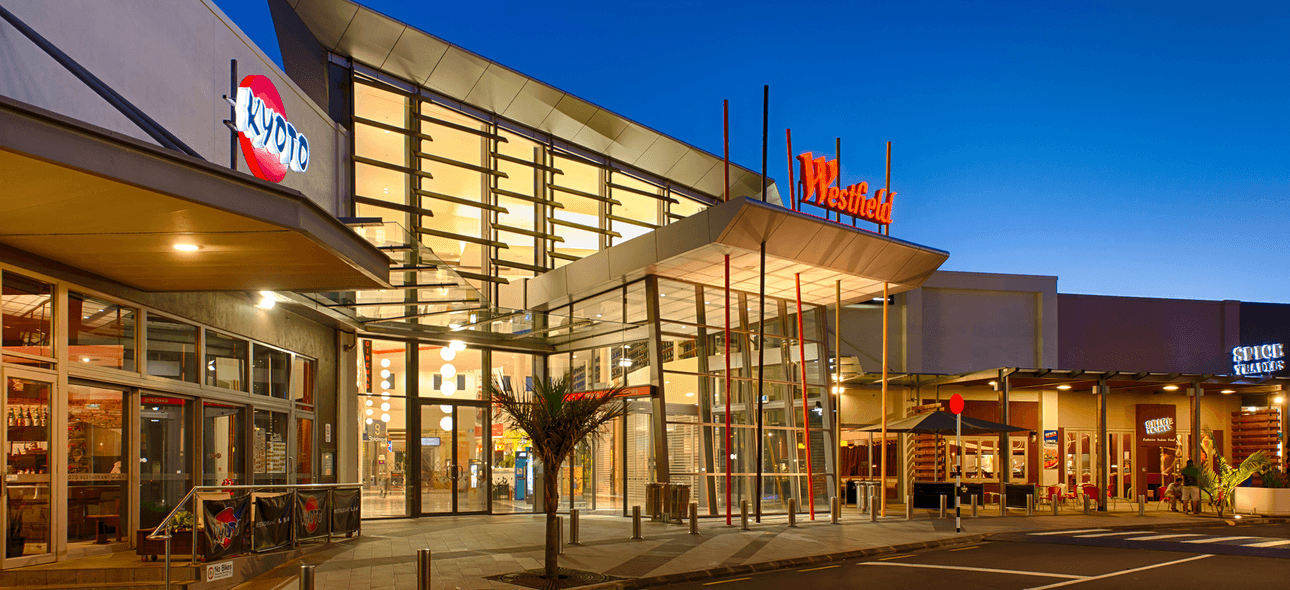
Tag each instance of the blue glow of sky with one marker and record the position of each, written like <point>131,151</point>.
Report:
<point>1132,148</point>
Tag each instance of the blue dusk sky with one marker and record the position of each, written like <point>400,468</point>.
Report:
<point>1128,148</point>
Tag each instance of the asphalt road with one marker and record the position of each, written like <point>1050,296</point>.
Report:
<point>1087,559</point>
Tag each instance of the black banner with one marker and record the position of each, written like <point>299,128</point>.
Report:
<point>312,512</point>
<point>226,525</point>
<point>272,522</point>
<point>345,511</point>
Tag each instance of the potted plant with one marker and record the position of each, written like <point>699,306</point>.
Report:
<point>181,538</point>
<point>16,542</point>
<point>1270,498</point>
<point>1219,480</point>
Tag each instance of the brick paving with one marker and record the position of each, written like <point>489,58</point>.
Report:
<point>468,548</point>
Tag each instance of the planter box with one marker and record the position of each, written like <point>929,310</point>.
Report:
<point>181,543</point>
<point>1262,501</point>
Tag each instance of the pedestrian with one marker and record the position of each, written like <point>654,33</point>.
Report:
<point>1173,493</point>
<point>1191,487</point>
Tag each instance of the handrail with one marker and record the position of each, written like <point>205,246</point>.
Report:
<point>165,522</point>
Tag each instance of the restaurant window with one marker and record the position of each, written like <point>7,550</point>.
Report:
<point>304,450</point>
<point>164,477</point>
<point>100,333</point>
<point>97,477</point>
<point>223,433</point>
<point>270,448</point>
<point>28,312</point>
<point>270,372</point>
<point>225,361</point>
<point>172,349</point>
<point>303,371</point>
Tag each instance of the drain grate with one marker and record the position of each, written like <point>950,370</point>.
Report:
<point>569,578</point>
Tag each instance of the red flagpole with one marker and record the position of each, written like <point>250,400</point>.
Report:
<point>806,412</point>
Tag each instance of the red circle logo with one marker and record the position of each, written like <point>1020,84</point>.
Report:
<point>956,404</point>
<point>271,145</point>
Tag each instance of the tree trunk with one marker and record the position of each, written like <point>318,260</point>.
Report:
<point>551,501</point>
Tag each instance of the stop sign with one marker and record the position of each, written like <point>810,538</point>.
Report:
<point>956,404</point>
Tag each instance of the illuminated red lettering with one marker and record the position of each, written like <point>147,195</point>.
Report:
<point>818,174</point>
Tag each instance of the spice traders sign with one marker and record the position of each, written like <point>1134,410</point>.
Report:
<point>819,173</point>
<point>1258,360</point>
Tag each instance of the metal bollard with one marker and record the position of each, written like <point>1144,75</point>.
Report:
<point>307,576</point>
<point>1030,504</point>
<point>909,508</point>
<point>1054,502</point>
<point>1086,504</point>
<point>423,569</point>
<point>873,507</point>
<point>973,505</point>
<point>1142,505</point>
<point>636,523</point>
<point>573,527</point>
<point>792,512</point>
<point>943,504</point>
<point>836,510</point>
<point>743,515</point>
<point>559,525</point>
<point>694,518</point>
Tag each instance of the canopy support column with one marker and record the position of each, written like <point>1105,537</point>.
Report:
<point>1102,462</point>
<point>1196,429</point>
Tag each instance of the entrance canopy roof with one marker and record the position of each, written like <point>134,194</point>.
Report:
<point>1080,380</point>
<point>940,422</point>
<point>693,249</point>
<point>117,207</point>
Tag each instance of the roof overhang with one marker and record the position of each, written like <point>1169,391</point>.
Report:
<point>1085,380</point>
<point>823,252</point>
<point>115,206</point>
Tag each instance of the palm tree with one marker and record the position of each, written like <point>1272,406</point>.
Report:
<point>555,419</point>
<point>1219,479</point>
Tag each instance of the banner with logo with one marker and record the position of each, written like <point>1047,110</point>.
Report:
<point>226,521</point>
<point>1050,449</point>
<point>345,511</point>
<point>272,528</point>
<point>312,512</point>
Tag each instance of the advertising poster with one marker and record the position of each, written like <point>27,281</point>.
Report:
<point>226,522</point>
<point>1050,449</point>
<point>312,511</point>
<point>272,527</point>
<point>345,511</point>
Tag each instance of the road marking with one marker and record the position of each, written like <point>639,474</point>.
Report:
<point>819,568</point>
<point>966,548</point>
<point>726,581</point>
<point>1120,573</point>
<point>892,557</point>
<point>1158,537</point>
<point>1112,534</point>
<point>980,569</point>
<point>1068,532</point>
<point>1217,539</point>
<point>1275,543</point>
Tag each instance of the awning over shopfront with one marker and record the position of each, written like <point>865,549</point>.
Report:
<point>693,249</point>
<point>121,208</point>
<point>1075,379</point>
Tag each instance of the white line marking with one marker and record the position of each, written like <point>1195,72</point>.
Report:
<point>1113,534</point>
<point>1068,532</point>
<point>1120,573</point>
<point>1217,539</point>
<point>975,569</point>
<point>1157,537</point>
<point>1275,543</point>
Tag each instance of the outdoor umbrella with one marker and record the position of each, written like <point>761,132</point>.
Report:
<point>940,422</point>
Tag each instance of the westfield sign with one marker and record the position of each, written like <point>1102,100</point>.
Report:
<point>817,176</point>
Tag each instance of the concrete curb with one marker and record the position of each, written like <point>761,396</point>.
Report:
<point>751,568</point>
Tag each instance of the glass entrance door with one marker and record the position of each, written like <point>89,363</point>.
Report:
<point>454,459</point>
<point>27,484</point>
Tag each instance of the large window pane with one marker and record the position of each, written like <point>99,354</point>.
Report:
<point>27,307</point>
<point>271,372</point>
<point>382,455</point>
<point>223,449</point>
<point>100,333</point>
<point>303,371</point>
<point>163,457</point>
<point>172,349</point>
<point>450,371</point>
<point>270,456</point>
<point>96,475</point>
<point>225,361</point>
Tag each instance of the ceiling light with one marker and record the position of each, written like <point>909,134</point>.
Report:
<point>187,247</point>
<point>385,362</point>
<point>457,345</point>
<point>690,394</point>
<point>385,417</point>
<point>369,420</point>
<point>385,406</point>
<point>369,402</point>
<point>1278,399</point>
<point>447,354</point>
<point>385,373</point>
<point>448,371</point>
<point>449,387</point>
<point>1171,388</point>
<point>1228,391</point>
<point>85,359</point>
<point>1063,387</point>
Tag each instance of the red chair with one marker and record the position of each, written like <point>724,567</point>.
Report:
<point>1053,494</point>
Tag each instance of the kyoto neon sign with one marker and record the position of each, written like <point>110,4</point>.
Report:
<point>270,144</point>
<point>817,176</point>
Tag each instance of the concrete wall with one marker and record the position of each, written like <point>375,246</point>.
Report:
<point>170,58</point>
<point>1140,334</point>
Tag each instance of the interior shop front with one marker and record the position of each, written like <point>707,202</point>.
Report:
<point>114,411</point>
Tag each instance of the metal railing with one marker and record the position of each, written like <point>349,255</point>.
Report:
<point>164,530</point>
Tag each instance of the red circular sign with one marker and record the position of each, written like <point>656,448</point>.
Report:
<point>956,404</point>
<point>263,163</point>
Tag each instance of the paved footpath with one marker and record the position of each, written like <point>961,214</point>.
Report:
<point>468,548</point>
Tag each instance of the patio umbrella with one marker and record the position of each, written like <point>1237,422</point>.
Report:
<point>940,422</point>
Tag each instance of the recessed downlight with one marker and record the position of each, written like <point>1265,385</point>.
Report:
<point>1063,387</point>
<point>187,247</point>
<point>1171,388</point>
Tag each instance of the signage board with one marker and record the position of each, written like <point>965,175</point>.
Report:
<point>219,571</point>
<point>1157,425</point>
<point>636,391</point>
<point>1050,449</point>
<point>271,145</point>
<point>1258,360</point>
<point>430,441</point>
<point>854,200</point>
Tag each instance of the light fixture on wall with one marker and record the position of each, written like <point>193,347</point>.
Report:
<point>448,387</point>
<point>369,411</point>
<point>1228,391</point>
<point>445,423</point>
<point>369,420</point>
<point>385,373</point>
<point>385,385</point>
<point>445,409</point>
<point>446,353</point>
<point>385,417</point>
<point>448,371</point>
<point>267,300</point>
<point>369,403</point>
<point>1277,400</point>
<point>385,406</point>
<point>385,362</point>
<point>385,395</point>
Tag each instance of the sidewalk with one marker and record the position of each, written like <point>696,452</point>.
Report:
<point>466,549</point>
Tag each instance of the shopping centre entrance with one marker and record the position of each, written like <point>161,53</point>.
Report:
<point>455,438</point>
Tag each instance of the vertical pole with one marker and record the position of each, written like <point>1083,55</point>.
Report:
<point>806,410</point>
<point>232,114</point>
<point>636,523</point>
<point>792,512</point>
<point>574,535</point>
<point>958,474</point>
<point>1197,395</point>
<point>725,118</point>
<point>882,477</point>
<point>765,130</point>
<point>729,395</point>
<point>307,577</point>
<point>887,227</point>
<point>761,361</point>
<point>1101,445</point>
<point>694,518</point>
<point>792,186</point>
<point>743,515</point>
<point>838,153</point>
<point>837,384</point>
<point>423,569</point>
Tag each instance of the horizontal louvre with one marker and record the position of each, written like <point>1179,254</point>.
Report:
<point>632,221</point>
<point>568,257</point>
<point>402,303</point>
<point>396,206</point>
<point>641,192</point>
<point>459,164</point>
<point>519,265</point>
<point>565,189</point>
<point>463,128</point>
<point>585,227</point>
<point>451,236</point>
<point>392,128</point>
<point>478,277</point>
<point>394,167</point>
<point>527,232</point>
<point>524,162</point>
<point>458,200</point>
<point>524,197</point>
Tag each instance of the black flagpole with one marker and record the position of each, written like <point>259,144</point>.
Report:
<point>761,310</point>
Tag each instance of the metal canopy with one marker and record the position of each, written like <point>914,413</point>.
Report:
<point>378,41</point>
<point>1079,379</point>
<point>115,206</point>
<point>693,249</point>
<point>940,422</point>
